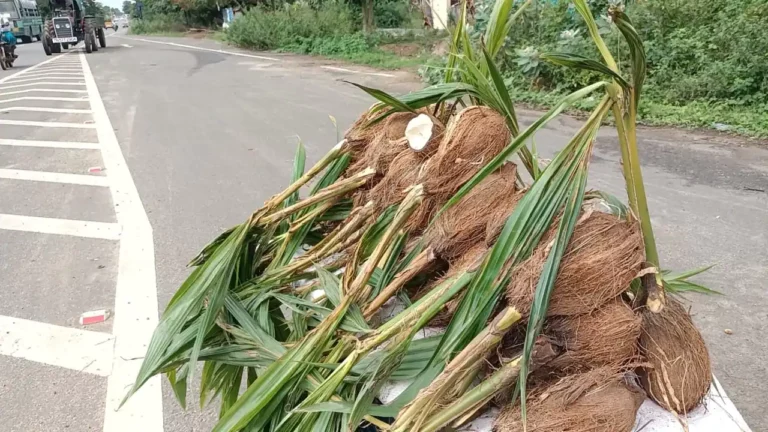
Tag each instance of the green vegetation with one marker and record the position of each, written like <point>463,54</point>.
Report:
<point>706,62</point>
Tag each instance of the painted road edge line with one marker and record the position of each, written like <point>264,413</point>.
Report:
<point>50,144</point>
<point>136,311</point>
<point>69,227</point>
<point>54,177</point>
<point>220,51</point>
<point>79,350</point>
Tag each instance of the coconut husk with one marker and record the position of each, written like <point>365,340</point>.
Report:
<point>607,336</point>
<point>472,139</point>
<point>604,254</point>
<point>360,135</point>
<point>463,225</point>
<point>595,401</point>
<point>499,214</point>
<point>390,142</point>
<point>679,375</point>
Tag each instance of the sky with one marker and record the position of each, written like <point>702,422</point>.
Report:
<point>113,3</point>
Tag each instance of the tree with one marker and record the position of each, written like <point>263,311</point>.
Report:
<point>368,16</point>
<point>128,7</point>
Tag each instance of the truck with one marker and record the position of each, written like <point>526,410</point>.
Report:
<point>70,25</point>
<point>25,19</point>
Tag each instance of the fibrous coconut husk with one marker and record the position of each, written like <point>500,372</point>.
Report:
<point>391,141</point>
<point>607,336</point>
<point>679,375</point>
<point>596,401</point>
<point>499,214</point>
<point>603,256</point>
<point>361,134</point>
<point>405,171</point>
<point>473,138</point>
<point>463,225</point>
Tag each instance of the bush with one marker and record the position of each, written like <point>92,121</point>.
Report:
<point>166,23</point>
<point>708,51</point>
<point>292,25</point>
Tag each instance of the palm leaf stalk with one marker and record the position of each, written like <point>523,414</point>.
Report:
<point>625,115</point>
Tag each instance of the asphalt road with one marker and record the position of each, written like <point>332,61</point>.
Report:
<point>208,136</point>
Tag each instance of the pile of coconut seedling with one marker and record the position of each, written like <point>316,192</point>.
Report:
<point>541,297</point>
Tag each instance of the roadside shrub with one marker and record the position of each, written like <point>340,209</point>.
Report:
<point>708,51</point>
<point>391,14</point>
<point>165,23</point>
<point>264,29</point>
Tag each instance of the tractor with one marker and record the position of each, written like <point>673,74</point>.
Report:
<point>70,24</point>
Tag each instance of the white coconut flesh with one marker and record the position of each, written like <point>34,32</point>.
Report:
<point>418,132</point>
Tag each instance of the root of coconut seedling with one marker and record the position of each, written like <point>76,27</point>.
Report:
<point>604,255</point>
<point>463,225</point>
<point>595,401</point>
<point>679,373</point>
<point>607,336</point>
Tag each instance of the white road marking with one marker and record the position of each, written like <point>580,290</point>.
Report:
<point>70,227</point>
<point>47,74</point>
<point>45,109</point>
<point>47,124</point>
<point>50,144</point>
<point>338,69</point>
<point>62,68</point>
<point>41,83</point>
<point>127,46</point>
<point>136,311</point>
<point>44,98</point>
<point>46,90</point>
<point>31,68</point>
<point>53,177</point>
<point>80,350</point>
<point>38,79</point>
<point>202,49</point>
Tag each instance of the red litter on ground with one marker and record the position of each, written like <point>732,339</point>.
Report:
<point>95,317</point>
<point>96,169</point>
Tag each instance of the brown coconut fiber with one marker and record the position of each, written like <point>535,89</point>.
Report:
<point>469,261</point>
<point>603,256</point>
<point>473,138</point>
<point>498,216</point>
<point>679,375</point>
<point>596,401</point>
<point>390,142</point>
<point>360,135</point>
<point>606,336</point>
<point>463,225</point>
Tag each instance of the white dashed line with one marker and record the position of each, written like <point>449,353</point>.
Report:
<point>338,69</point>
<point>69,227</point>
<point>136,311</point>
<point>80,350</point>
<point>53,83</point>
<point>50,144</point>
<point>44,98</point>
<point>53,177</point>
<point>46,109</point>
<point>44,124</point>
<point>45,90</point>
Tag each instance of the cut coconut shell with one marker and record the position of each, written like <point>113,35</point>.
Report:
<point>473,138</point>
<point>604,255</point>
<point>607,336</point>
<point>679,375</point>
<point>463,225</point>
<point>595,401</point>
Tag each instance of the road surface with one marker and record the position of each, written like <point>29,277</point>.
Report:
<point>116,167</point>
